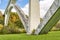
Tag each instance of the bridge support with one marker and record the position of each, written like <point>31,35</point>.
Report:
<point>8,10</point>
<point>34,15</point>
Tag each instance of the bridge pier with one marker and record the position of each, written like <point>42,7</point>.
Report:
<point>34,15</point>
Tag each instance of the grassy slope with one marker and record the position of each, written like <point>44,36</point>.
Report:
<point>55,35</point>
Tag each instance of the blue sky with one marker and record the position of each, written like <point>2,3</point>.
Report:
<point>21,3</point>
<point>44,6</point>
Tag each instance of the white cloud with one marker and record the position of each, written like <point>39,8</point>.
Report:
<point>44,6</point>
<point>2,10</point>
<point>13,10</point>
<point>26,9</point>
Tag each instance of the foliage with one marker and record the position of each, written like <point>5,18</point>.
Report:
<point>58,25</point>
<point>41,19</point>
<point>14,24</point>
<point>14,18</point>
<point>1,18</point>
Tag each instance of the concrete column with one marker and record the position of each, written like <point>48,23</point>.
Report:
<point>34,14</point>
<point>6,19</point>
<point>7,14</point>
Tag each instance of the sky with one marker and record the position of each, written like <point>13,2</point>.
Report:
<point>21,3</point>
<point>24,4</point>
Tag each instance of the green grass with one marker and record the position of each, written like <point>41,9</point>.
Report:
<point>54,35</point>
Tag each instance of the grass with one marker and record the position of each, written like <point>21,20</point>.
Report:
<point>54,35</point>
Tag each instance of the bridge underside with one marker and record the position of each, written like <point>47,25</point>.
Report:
<point>50,19</point>
<point>53,20</point>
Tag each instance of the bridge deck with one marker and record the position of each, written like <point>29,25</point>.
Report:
<point>53,20</point>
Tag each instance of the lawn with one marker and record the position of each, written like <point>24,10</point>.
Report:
<point>54,35</point>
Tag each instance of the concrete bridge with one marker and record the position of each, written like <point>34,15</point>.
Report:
<point>33,22</point>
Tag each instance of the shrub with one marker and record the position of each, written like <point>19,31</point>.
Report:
<point>14,30</point>
<point>33,31</point>
<point>58,25</point>
<point>5,30</point>
<point>55,29</point>
<point>1,26</point>
<point>22,30</point>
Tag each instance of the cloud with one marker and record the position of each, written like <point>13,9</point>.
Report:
<point>13,10</point>
<point>26,9</point>
<point>2,10</point>
<point>44,6</point>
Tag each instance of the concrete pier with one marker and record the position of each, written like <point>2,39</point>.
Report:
<point>34,14</point>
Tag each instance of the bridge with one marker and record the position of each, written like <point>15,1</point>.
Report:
<point>33,22</point>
